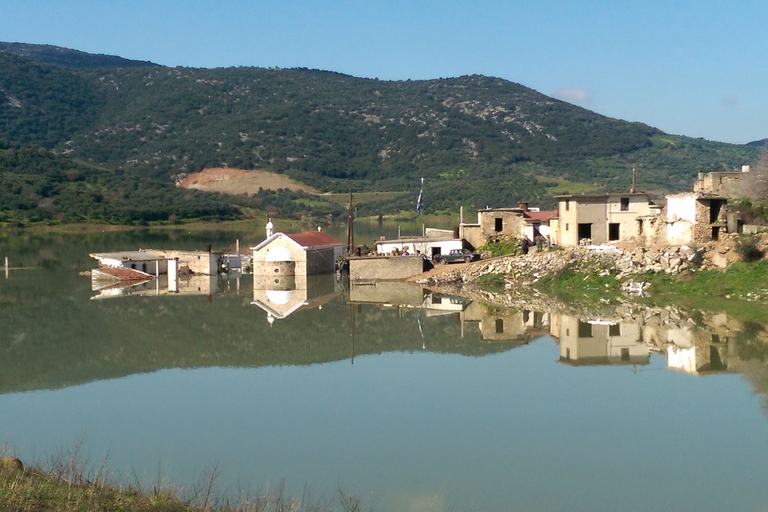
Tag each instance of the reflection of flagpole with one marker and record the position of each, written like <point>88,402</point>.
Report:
<point>421,331</point>
<point>420,199</point>
<point>352,330</point>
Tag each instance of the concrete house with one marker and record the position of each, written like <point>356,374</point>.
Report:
<point>430,246</point>
<point>296,254</point>
<point>588,219</point>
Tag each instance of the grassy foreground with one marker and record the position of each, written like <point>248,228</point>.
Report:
<point>64,488</point>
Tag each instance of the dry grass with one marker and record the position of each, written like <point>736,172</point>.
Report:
<point>65,483</point>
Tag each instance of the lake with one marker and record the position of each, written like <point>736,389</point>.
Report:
<point>409,399</point>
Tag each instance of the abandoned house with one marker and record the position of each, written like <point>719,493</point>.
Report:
<point>588,219</point>
<point>695,217</point>
<point>296,254</point>
<point>494,225</point>
<point>734,184</point>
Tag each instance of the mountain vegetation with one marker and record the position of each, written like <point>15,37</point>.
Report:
<point>477,141</point>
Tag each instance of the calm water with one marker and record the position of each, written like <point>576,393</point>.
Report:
<point>438,404</point>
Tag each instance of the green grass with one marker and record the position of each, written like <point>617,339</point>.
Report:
<point>501,248</point>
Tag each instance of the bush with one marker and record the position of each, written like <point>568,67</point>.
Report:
<point>748,249</point>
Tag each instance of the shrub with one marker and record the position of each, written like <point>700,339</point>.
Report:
<point>748,249</point>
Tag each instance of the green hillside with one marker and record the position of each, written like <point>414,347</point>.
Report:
<point>477,140</point>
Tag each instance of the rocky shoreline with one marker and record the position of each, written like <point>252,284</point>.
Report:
<point>625,261</point>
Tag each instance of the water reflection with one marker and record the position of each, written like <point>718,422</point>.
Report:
<point>438,410</point>
<point>328,322</point>
<point>282,296</point>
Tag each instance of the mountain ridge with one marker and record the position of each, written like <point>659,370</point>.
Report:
<point>477,140</point>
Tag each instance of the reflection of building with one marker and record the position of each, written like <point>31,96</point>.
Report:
<point>279,297</point>
<point>185,285</point>
<point>296,254</point>
<point>387,293</point>
<point>597,343</point>
<point>502,324</point>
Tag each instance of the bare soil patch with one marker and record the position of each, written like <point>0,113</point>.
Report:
<point>239,181</point>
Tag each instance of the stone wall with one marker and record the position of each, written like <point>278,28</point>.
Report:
<point>373,268</point>
<point>753,185</point>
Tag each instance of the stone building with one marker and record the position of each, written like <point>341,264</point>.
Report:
<point>695,217</point>
<point>734,184</point>
<point>587,219</point>
<point>494,225</point>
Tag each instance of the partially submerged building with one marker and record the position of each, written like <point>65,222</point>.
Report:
<point>149,262</point>
<point>603,218</point>
<point>156,261</point>
<point>297,254</point>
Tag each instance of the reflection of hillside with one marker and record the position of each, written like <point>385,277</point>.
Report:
<point>61,338</point>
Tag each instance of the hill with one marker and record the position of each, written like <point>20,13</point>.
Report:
<point>476,140</point>
<point>65,57</point>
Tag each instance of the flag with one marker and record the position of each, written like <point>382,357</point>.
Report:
<point>420,199</point>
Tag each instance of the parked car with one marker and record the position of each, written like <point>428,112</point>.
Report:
<point>457,255</point>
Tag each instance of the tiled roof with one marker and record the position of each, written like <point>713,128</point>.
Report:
<point>313,239</point>
<point>541,215</point>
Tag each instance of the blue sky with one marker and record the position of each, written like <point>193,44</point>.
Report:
<point>691,68</point>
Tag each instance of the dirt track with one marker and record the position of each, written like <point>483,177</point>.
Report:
<point>238,181</point>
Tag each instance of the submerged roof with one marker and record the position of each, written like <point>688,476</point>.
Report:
<point>128,255</point>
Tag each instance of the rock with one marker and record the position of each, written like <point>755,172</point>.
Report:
<point>11,463</point>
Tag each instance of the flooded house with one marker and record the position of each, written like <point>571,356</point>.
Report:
<point>148,262</point>
<point>603,218</point>
<point>296,255</point>
<point>156,261</point>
